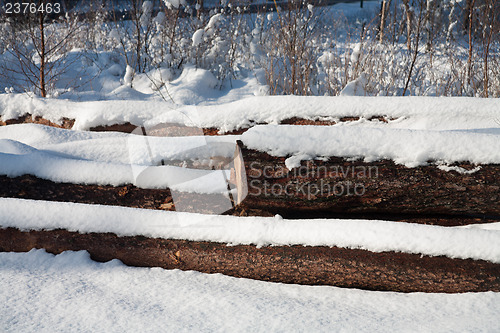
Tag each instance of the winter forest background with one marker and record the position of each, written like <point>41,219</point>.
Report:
<point>386,48</point>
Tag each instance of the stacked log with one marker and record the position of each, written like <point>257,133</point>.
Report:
<point>357,188</point>
<point>333,187</point>
<point>318,265</point>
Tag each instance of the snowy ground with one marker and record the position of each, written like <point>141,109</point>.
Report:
<point>40,292</point>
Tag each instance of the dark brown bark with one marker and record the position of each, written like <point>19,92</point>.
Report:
<point>31,187</point>
<point>43,91</point>
<point>355,187</point>
<point>65,122</point>
<point>288,264</point>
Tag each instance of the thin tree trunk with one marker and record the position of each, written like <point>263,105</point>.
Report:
<point>469,61</point>
<point>385,5</point>
<point>172,37</point>
<point>415,54</point>
<point>200,8</point>
<point>394,22</point>
<point>408,24</point>
<point>491,20</point>
<point>429,26</point>
<point>43,91</point>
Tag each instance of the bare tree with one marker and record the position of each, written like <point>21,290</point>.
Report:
<point>135,33</point>
<point>416,38</point>
<point>37,48</point>
<point>409,19</point>
<point>383,17</point>
<point>489,21</point>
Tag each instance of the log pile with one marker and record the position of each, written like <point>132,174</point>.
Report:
<point>333,188</point>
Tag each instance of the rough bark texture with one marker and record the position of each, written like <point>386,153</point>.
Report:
<point>391,192</point>
<point>125,128</point>
<point>382,187</point>
<point>31,187</point>
<point>288,264</point>
<point>65,122</point>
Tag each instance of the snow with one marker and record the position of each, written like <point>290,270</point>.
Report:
<point>208,30</point>
<point>160,18</point>
<point>356,52</point>
<point>356,87</point>
<point>198,37</point>
<point>404,146</point>
<point>192,86</point>
<point>147,9</point>
<point>129,76</point>
<point>40,292</point>
<point>212,23</point>
<point>112,158</point>
<point>459,169</point>
<point>244,111</point>
<point>372,235</point>
<point>174,3</point>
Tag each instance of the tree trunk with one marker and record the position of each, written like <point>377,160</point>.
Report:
<point>311,265</point>
<point>43,91</point>
<point>408,24</point>
<point>339,186</point>
<point>470,15</point>
<point>383,14</point>
<point>199,10</point>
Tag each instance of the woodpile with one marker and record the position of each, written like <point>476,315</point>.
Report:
<point>327,188</point>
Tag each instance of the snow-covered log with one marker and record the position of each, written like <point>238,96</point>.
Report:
<point>312,265</point>
<point>346,187</point>
<point>31,187</point>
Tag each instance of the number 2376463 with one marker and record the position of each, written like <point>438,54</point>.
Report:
<point>28,8</point>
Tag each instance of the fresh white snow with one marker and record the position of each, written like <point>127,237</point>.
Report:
<point>404,146</point>
<point>112,158</point>
<point>40,292</point>
<point>376,236</point>
<point>410,112</point>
